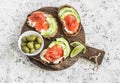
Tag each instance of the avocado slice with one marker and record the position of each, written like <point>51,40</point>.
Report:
<point>67,11</point>
<point>52,27</point>
<point>57,43</point>
<point>64,44</point>
<point>67,47</point>
<point>72,13</point>
<point>52,44</point>
<point>62,10</point>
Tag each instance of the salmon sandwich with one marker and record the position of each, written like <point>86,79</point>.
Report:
<point>43,23</point>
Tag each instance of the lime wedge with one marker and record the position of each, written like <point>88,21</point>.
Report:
<point>75,44</point>
<point>76,51</point>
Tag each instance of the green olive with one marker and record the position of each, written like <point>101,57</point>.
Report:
<point>30,45</point>
<point>24,39</point>
<point>25,49</point>
<point>32,50</point>
<point>23,44</point>
<point>37,46</point>
<point>39,40</point>
<point>31,38</point>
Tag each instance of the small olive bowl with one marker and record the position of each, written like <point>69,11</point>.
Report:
<point>27,33</point>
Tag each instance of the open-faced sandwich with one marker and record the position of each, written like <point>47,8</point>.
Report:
<point>44,23</point>
<point>56,52</point>
<point>70,20</point>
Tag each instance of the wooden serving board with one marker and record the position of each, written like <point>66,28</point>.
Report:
<point>69,61</point>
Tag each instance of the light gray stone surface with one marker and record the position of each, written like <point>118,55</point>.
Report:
<point>101,21</point>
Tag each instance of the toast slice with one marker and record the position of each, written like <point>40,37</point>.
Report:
<point>65,11</point>
<point>43,23</point>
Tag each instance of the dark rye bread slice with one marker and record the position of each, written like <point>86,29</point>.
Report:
<point>79,28</point>
<point>69,61</point>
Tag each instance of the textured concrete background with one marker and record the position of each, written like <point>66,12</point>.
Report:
<point>101,21</point>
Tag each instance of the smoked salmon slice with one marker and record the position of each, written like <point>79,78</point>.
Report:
<point>40,21</point>
<point>54,53</point>
<point>71,23</point>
